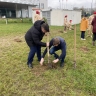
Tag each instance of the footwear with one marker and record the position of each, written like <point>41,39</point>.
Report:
<point>65,32</point>
<point>81,38</point>
<point>84,39</point>
<point>62,64</point>
<point>30,65</point>
<point>93,43</point>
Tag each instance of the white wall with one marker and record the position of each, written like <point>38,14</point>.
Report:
<point>26,12</point>
<point>57,17</point>
<point>45,2</point>
<point>30,11</point>
<point>18,13</point>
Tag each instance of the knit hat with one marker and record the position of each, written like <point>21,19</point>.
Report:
<point>65,15</point>
<point>94,12</point>
<point>70,20</point>
<point>37,12</point>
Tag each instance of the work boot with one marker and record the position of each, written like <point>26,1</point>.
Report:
<point>62,64</point>
<point>30,65</point>
<point>93,43</point>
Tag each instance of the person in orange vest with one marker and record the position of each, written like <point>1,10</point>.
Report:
<point>37,16</point>
<point>83,27</point>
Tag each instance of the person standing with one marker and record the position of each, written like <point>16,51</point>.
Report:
<point>94,28</point>
<point>90,26</point>
<point>37,16</point>
<point>83,27</point>
<point>65,24</point>
<point>33,39</point>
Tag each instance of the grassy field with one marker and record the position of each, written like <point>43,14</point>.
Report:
<point>18,80</point>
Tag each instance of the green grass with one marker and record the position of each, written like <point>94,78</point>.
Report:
<point>17,80</point>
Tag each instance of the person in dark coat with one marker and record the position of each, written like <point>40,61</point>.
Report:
<point>57,43</point>
<point>94,28</point>
<point>33,39</point>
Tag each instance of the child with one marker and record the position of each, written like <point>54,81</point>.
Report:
<point>70,25</point>
<point>65,24</point>
<point>37,16</point>
<point>90,19</point>
<point>56,44</point>
<point>83,27</point>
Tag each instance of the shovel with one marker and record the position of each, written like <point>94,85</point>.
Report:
<point>49,63</point>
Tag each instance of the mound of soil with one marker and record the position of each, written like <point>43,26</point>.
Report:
<point>17,40</point>
<point>38,70</point>
<point>84,49</point>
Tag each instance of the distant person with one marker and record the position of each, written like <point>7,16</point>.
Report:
<point>33,39</point>
<point>90,26</point>
<point>65,24</point>
<point>70,25</point>
<point>94,28</point>
<point>37,16</point>
<point>56,44</point>
<point>83,27</point>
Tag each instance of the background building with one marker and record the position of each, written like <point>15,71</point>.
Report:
<point>43,4</point>
<point>55,17</point>
<point>17,8</point>
<point>20,8</point>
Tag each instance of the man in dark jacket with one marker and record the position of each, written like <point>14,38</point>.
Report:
<point>33,39</point>
<point>94,28</point>
<point>56,43</point>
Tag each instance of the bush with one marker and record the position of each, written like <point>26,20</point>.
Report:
<point>45,19</point>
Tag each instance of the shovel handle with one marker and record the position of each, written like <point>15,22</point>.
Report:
<point>48,46</point>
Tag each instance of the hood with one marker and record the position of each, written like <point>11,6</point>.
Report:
<point>38,24</point>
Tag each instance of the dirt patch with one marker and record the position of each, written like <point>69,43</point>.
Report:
<point>60,31</point>
<point>8,41</point>
<point>17,40</point>
<point>39,70</point>
<point>84,49</point>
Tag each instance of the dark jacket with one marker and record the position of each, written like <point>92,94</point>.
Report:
<point>34,35</point>
<point>94,24</point>
<point>61,46</point>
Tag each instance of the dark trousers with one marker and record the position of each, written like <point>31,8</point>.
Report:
<point>94,36</point>
<point>65,28</point>
<point>52,51</point>
<point>33,50</point>
<point>83,34</point>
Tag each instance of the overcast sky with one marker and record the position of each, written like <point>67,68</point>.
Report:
<point>71,3</point>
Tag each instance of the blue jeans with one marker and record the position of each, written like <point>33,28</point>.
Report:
<point>33,50</point>
<point>52,51</point>
<point>83,34</point>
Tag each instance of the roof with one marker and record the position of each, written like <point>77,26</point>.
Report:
<point>25,2</point>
